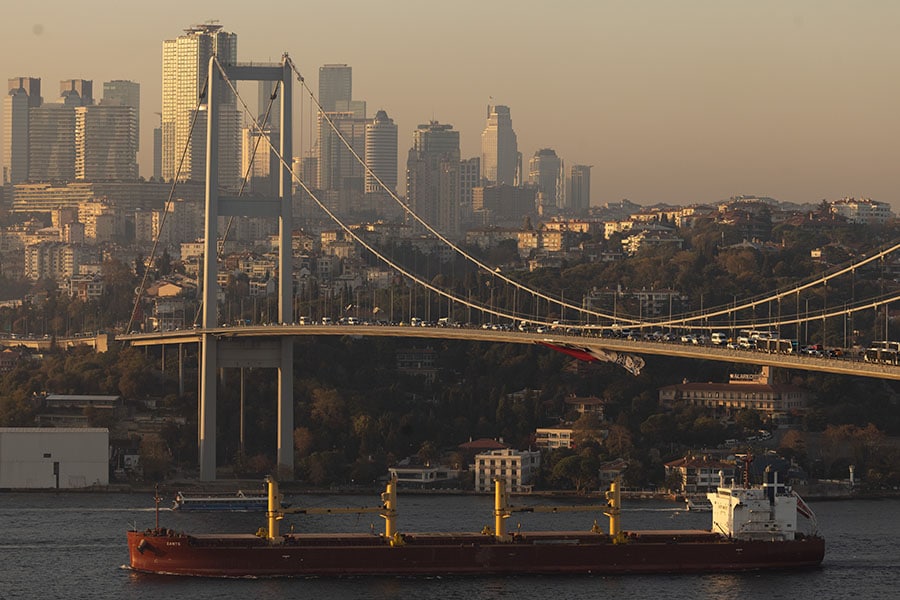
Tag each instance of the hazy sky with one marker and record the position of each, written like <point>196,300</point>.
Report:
<point>674,101</point>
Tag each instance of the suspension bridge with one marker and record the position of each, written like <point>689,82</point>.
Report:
<point>764,329</point>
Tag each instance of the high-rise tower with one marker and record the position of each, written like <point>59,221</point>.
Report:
<point>185,74</point>
<point>105,143</point>
<point>545,171</point>
<point>76,92</point>
<point>51,133</point>
<point>469,179</point>
<point>257,159</point>
<point>432,176</point>
<point>120,92</point>
<point>381,152</point>
<point>338,168</point>
<point>578,190</point>
<point>499,148</point>
<point>335,87</point>
<point>266,104</point>
<point>24,93</point>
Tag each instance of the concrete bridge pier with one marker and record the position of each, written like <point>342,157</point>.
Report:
<point>285,447</point>
<point>208,408</point>
<point>229,353</point>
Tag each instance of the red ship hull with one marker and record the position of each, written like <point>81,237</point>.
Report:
<point>166,552</point>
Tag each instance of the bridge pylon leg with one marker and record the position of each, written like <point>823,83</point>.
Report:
<point>208,387</point>
<point>286,410</point>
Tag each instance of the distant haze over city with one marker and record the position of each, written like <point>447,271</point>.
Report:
<point>675,102</point>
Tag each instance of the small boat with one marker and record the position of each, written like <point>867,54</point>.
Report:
<point>698,503</point>
<point>238,502</point>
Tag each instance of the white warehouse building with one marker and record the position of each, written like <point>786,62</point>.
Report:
<point>53,457</point>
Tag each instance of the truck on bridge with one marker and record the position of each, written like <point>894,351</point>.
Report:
<point>777,345</point>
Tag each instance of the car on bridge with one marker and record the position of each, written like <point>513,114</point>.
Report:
<point>718,338</point>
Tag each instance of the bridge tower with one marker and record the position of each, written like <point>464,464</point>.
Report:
<point>218,353</point>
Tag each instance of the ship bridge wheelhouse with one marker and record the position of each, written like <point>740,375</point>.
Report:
<point>768,512</point>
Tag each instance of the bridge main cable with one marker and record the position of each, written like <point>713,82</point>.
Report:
<point>487,268</point>
<point>380,255</point>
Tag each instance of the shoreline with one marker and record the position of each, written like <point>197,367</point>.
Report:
<point>169,489</point>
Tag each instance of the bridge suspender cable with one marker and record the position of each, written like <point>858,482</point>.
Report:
<point>493,271</point>
<point>778,296</point>
<point>375,251</point>
<point>244,180</point>
<point>166,207</point>
<point>822,280</point>
<point>681,321</point>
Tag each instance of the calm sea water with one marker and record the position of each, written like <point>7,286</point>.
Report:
<point>65,545</point>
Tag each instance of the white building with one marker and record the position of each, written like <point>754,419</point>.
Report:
<point>57,260</point>
<point>423,476</point>
<point>518,468</point>
<point>863,211</point>
<point>53,457</point>
<point>553,437</point>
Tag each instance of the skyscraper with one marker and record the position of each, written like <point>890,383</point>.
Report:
<point>256,151</point>
<point>338,168</point>
<point>545,171</point>
<point>258,160</point>
<point>499,148</point>
<point>335,87</point>
<point>76,92</point>
<point>185,73</point>
<point>265,103</point>
<point>381,152</point>
<point>469,179</point>
<point>24,93</point>
<point>432,176</point>
<point>157,152</point>
<point>578,192</point>
<point>105,143</point>
<point>120,92</point>
<point>51,143</point>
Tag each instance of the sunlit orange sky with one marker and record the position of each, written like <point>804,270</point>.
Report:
<point>670,101</point>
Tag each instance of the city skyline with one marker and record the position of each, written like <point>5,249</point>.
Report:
<point>670,102</point>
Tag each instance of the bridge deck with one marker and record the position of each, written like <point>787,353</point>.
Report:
<point>842,365</point>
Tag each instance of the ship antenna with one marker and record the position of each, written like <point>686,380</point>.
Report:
<point>748,459</point>
<point>156,499</point>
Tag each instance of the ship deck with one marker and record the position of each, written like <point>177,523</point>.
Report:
<point>452,538</point>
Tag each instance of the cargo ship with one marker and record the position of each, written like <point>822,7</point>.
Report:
<point>752,528</point>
